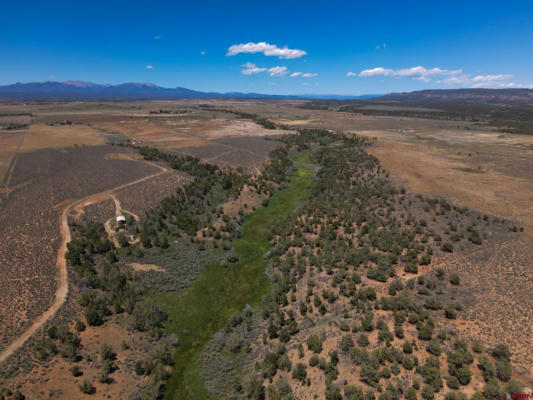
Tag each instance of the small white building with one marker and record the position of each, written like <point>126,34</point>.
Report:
<point>121,218</point>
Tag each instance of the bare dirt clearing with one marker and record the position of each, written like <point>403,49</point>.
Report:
<point>145,267</point>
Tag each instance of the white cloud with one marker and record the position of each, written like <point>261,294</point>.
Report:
<point>450,77</point>
<point>421,71</point>
<point>304,75</point>
<point>381,46</point>
<point>250,69</point>
<point>149,67</point>
<point>456,80</point>
<point>376,72</point>
<point>265,48</point>
<point>501,81</point>
<point>157,37</point>
<point>492,80</point>
<point>202,53</point>
<point>277,71</point>
<point>418,73</point>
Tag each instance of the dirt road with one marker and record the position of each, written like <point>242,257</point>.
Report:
<point>62,284</point>
<point>118,211</point>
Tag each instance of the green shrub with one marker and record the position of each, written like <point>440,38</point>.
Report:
<point>410,394</point>
<point>300,372</point>
<point>425,332</point>
<point>503,369</point>
<point>333,393</point>
<point>86,387</point>
<point>464,375</point>
<point>501,351</point>
<point>346,343</point>
<point>93,317</point>
<point>492,390</point>
<point>475,238</point>
<point>106,352</point>
<point>428,393</point>
<point>369,375</point>
<point>452,382</point>
<point>79,326</point>
<point>433,347</point>
<point>363,341</point>
<point>314,343</point>
<point>139,368</point>
<point>447,247</point>
<point>407,347</point>
<point>454,279</point>
<point>449,312</point>
<point>477,346</point>
<point>367,322</point>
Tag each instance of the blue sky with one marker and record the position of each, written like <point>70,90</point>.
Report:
<point>342,47</point>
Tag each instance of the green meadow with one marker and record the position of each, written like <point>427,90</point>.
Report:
<point>199,311</point>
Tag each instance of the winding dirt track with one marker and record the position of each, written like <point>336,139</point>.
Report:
<point>118,211</point>
<point>62,284</point>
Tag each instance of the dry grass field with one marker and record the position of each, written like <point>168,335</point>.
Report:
<point>487,172</point>
<point>41,136</point>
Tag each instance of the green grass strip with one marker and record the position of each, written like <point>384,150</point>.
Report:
<point>196,313</point>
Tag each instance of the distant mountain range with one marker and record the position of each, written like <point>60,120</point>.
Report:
<point>78,90</point>
<point>489,96</point>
